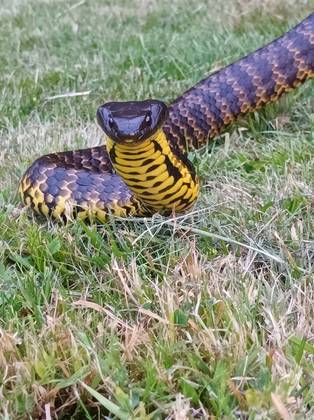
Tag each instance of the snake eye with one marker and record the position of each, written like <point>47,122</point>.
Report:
<point>111,122</point>
<point>148,118</point>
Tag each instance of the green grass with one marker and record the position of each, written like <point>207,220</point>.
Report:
<point>206,314</point>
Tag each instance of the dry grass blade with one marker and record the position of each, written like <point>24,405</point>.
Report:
<point>281,409</point>
<point>98,308</point>
<point>229,240</point>
<point>67,95</point>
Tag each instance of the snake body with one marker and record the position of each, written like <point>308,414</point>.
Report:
<point>146,169</point>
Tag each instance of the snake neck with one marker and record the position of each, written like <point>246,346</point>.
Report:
<point>163,180</point>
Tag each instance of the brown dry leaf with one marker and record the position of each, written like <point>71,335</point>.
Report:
<point>98,308</point>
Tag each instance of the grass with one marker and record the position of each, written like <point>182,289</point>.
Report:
<point>208,314</point>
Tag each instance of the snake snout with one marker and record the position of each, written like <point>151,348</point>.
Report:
<point>132,121</point>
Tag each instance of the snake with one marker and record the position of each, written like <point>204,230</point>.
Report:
<point>143,166</point>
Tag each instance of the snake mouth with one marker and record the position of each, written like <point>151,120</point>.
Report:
<point>131,122</point>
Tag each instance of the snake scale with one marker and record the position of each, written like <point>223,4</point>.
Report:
<point>144,167</point>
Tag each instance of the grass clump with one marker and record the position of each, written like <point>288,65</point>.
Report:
<point>203,315</point>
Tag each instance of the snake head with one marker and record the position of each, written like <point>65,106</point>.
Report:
<point>133,121</point>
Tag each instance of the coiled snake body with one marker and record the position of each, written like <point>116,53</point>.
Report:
<point>144,167</point>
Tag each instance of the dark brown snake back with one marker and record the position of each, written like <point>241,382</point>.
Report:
<point>83,181</point>
<point>263,76</point>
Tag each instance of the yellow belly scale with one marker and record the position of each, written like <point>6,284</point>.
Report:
<point>162,180</point>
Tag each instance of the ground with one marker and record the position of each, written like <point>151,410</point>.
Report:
<point>208,314</point>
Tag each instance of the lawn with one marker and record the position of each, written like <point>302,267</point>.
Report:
<point>203,315</point>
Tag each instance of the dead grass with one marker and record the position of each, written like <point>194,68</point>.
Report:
<point>205,315</point>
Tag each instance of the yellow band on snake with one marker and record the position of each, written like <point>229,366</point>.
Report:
<point>157,176</point>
